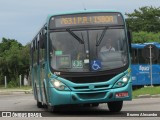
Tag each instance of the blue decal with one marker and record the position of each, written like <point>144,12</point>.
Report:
<point>96,65</point>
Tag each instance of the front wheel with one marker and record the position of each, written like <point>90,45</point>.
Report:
<point>115,106</point>
<point>52,109</point>
<point>95,104</point>
<point>39,104</point>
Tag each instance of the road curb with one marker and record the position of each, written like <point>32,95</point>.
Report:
<point>155,96</point>
<point>7,92</point>
<point>148,96</point>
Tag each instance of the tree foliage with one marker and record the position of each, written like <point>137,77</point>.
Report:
<point>145,19</point>
<point>145,24</point>
<point>14,59</point>
<point>142,37</point>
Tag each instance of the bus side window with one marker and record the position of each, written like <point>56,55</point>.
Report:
<point>157,61</point>
<point>32,53</point>
<point>158,57</point>
<point>134,56</point>
<point>38,49</point>
<point>142,60</point>
<point>42,47</point>
<point>35,51</point>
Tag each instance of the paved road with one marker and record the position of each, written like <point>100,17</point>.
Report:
<point>26,102</point>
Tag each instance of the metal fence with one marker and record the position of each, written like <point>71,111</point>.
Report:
<point>5,82</point>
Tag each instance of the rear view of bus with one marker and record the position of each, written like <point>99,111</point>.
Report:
<point>80,67</point>
<point>145,69</point>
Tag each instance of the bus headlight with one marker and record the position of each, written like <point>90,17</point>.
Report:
<point>125,79</point>
<point>59,85</point>
<point>122,82</point>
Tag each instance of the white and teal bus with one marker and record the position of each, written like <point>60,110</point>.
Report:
<point>68,66</point>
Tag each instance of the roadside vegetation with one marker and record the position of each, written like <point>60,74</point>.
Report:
<point>145,24</point>
<point>14,61</point>
<point>146,90</point>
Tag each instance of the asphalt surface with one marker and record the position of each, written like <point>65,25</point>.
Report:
<point>26,102</point>
<point>15,100</point>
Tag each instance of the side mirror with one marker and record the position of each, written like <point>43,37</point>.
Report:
<point>45,27</point>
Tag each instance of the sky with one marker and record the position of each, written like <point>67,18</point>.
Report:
<point>22,19</point>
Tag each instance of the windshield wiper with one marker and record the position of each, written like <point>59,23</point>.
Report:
<point>102,36</point>
<point>75,36</point>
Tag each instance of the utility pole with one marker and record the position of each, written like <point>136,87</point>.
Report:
<point>150,53</point>
<point>20,81</point>
<point>5,81</point>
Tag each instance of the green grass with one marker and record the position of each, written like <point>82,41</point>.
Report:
<point>20,88</point>
<point>146,90</point>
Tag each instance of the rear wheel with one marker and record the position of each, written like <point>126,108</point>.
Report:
<point>39,104</point>
<point>115,106</point>
<point>51,108</point>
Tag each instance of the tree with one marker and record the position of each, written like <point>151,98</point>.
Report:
<point>145,19</point>
<point>142,37</point>
<point>13,61</point>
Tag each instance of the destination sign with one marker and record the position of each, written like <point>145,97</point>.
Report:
<point>86,19</point>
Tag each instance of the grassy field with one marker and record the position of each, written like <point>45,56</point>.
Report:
<point>146,90</point>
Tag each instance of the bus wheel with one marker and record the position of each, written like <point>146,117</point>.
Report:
<point>95,104</point>
<point>39,104</point>
<point>51,109</point>
<point>87,105</point>
<point>115,106</point>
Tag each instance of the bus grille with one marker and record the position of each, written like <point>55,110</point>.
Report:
<point>92,95</point>
<point>95,87</point>
<point>90,79</point>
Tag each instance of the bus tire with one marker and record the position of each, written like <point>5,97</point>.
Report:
<point>95,104</point>
<point>51,109</point>
<point>39,104</point>
<point>115,106</point>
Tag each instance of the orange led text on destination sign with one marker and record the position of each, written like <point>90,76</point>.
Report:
<point>87,20</point>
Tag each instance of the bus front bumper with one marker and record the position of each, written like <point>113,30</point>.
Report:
<point>71,97</point>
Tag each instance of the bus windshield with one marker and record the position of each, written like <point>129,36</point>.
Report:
<point>79,50</point>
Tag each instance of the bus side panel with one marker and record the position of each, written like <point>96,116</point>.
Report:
<point>42,81</point>
<point>36,83</point>
<point>156,74</point>
<point>39,82</point>
<point>141,74</point>
<point>33,82</point>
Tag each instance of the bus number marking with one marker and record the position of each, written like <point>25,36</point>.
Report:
<point>57,73</point>
<point>77,64</point>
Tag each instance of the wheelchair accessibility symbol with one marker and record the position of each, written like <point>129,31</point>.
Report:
<point>96,65</point>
